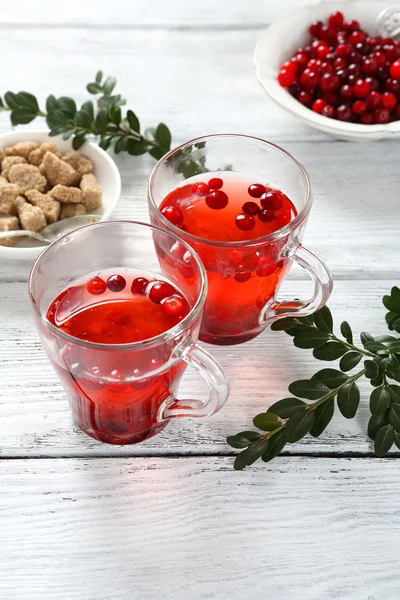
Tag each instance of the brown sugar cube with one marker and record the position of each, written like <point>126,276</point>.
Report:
<point>8,162</point>
<point>36,156</point>
<point>58,171</point>
<point>8,224</point>
<point>50,207</point>
<point>8,208</point>
<point>28,177</point>
<point>72,210</point>
<point>91,192</point>
<point>9,192</point>
<point>3,181</point>
<point>21,149</point>
<point>82,164</point>
<point>31,217</point>
<point>2,154</point>
<point>67,195</point>
<point>20,200</point>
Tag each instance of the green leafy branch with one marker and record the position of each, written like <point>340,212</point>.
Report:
<point>290,419</point>
<point>103,119</point>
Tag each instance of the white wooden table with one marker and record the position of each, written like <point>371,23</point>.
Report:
<point>170,518</point>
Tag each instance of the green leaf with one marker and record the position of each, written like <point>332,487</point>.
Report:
<point>1,103</point>
<point>121,145</point>
<point>283,324</point>
<point>242,439</point>
<point>251,454</point>
<point>51,103</point>
<point>159,153</point>
<point>101,121</point>
<point>350,360</point>
<point>275,446</point>
<point>375,347</point>
<point>78,141</point>
<point>93,88</point>
<point>267,421</point>
<point>310,338</point>
<point>137,148</point>
<point>88,108</point>
<point>109,85</point>
<point>22,116</point>
<point>375,423</point>
<point>27,100</point>
<point>312,389</point>
<point>114,113</point>
<point>390,319</point>
<point>384,440</point>
<point>293,331</point>
<point>57,130</point>
<point>371,369</point>
<point>379,400</point>
<point>82,119</point>
<point>99,76</point>
<point>377,381</point>
<point>163,135</point>
<point>322,417</point>
<point>287,407</point>
<point>11,100</point>
<point>382,367</point>
<point>329,351</point>
<point>105,143</point>
<point>348,400</point>
<point>56,118</point>
<point>133,121</point>
<point>332,378</point>
<point>299,425</point>
<point>391,303</point>
<point>394,416</point>
<point>67,134</point>
<point>67,105</point>
<point>397,439</point>
<point>323,319</point>
<point>346,332</point>
<point>366,337</point>
<point>394,392</point>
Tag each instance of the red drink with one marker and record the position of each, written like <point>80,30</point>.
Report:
<point>117,395</point>
<point>234,208</point>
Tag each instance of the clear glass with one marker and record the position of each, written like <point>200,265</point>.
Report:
<point>142,399</point>
<point>239,311</point>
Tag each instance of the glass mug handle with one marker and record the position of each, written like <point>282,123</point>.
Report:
<point>323,285</point>
<point>214,376</point>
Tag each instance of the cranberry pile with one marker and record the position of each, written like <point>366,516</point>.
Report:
<point>345,73</point>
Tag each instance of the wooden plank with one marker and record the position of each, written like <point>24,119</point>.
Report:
<point>178,529</point>
<point>35,419</point>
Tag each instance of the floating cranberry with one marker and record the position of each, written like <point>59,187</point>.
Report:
<point>272,200</point>
<point>250,208</point>
<point>96,285</point>
<point>177,251</point>
<point>344,113</point>
<point>329,82</point>
<point>159,290</point>
<point>265,271</point>
<point>245,222</point>
<point>381,116</point>
<point>217,199</point>
<point>116,283</point>
<point>256,190</point>
<point>188,267</point>
<point>215,183</point>
<point>139,285</point>
<point>395,70</point>
<point>328,111</point>
<point>359,107</point>
<point>284,219</point>
<point>319,105</point>
<point>242,275</point>
<point>336,19</point>
<point>173,214</point>
<point>361,88</point>
<point>173,306</point>
<point>388,100</point>
<point>200,188</point>
<point>266,216</point>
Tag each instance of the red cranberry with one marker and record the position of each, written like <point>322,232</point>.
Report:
<point>328,111</point>
<point>392,52</point>
<point>139,285</point>
<point>346,92</point>
<point>374,83</point>
<point>322,50</point>
<point>359,107</point>
<point>356,37</point>
<point>177,250</point>
<point>388,100</point>
<point>116,283</point>
<point>309,79</point>
<point>366,118</point>
<point>382,73</point>
<point>379,58</point>
<point>315,28</point>
<point>342,74</point>
<point>336,19</point>
<point>325,67</point>
<point>343,113</point>
<point>381,116</point>
<point>397,112</point>
<point>256,190</point>
<point>272,200</point>
<point>96,285</point>
<point>354,69</point>
<point>343,50</point>
<point>284,219</point>
<point>331,98</point>
<point>265,271</point>
<point>373,41</point>
<point>373,100</point>
<point>250,208</point>
<point>286,77</point>
<point>352,79</point>
<point>188,267</point>
<point>159,290</point>
<point>314,64</point>
<point>266,216</point>
<point>294,89</point>
<point>361,88</point>
<point>392,85</point>
<point>395,70</point>
<point>355,57</point>
<point>370,66</point>
<point>173,306</point>
<point>329,82</point>
<point>245,222</point>
<point>200,188</point>
<point>339,63</point>
<point>305,98</point>
<point>215,183</point>
<point>217,199</point>
<point>173,214</point>
<point>352,25</point>
<point>301,59</point>
<point>242,276</point>
<point>319,105</point>
<point>328,34</point>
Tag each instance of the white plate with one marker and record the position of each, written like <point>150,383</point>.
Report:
<point>282,38</point>
<point>105,169</point>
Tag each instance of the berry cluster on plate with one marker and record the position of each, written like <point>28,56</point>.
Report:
<point>346,74</point>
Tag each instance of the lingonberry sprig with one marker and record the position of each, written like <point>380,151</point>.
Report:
<point>290,419</point>
<point>102,120</point>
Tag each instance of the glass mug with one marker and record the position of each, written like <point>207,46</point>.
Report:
<point>238,309</point>
<point>141,400</point>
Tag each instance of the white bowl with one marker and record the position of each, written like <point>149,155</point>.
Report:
<point>282,38</point>
<point>105,170</point>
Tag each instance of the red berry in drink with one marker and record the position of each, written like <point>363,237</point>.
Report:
<point>188,267</point>
<point>319,105</point>
<point>395,70</point>
<point>217,199</point>
<point>284,219</point>
<point>250,208</point>
<point>243,275</point>
<point>265,271</point>
<point>96,285</point>
<point>200,188</point>
<point>173,306</point>
<point>256,190</point>
<point>215,183</point>
<point>359,107</point>
<point>361,88</point>
<point>266,216</point>
<point>328,111</point>
<point>245,222</point>
<point>173,214</point>
<point>388,100</point>
<point>116,283</point>
<point>139,285</point>
<point>159,290</point>
<point>272,200</point>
